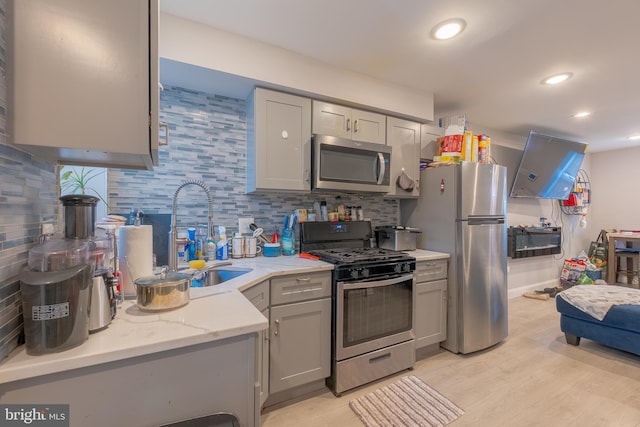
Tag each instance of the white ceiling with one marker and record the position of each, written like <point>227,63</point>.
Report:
<point>491,72</point>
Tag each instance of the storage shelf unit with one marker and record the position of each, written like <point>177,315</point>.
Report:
<point>524,242</point>
<point>580,197</point>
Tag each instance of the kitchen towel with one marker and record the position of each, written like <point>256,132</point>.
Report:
<point>407,402</point>
<point>135,255</point>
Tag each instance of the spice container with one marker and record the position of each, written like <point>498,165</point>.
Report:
<point>311,215</point>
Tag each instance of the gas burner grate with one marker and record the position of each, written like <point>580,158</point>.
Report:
<point>355,255</point>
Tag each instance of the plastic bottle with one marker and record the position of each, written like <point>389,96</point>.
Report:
<point>201,241</point>
<point>340,208</point>
<point>222,250</point>
<point>324,215</point>
<point>182,248</point>
<point>211,249</point>
<point>192,243</point>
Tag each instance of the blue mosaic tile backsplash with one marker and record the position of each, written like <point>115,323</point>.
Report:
<point>208,143</point>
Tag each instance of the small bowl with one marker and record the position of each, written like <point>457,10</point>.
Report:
<point>271,249</point>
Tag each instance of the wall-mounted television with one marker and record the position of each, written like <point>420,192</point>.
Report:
<point>548,167</point>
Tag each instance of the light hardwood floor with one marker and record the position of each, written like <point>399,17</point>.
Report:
<point>533,378</point>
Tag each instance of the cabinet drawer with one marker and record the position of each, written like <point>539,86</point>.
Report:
<point>258,295</point>
<point>431,270</point>
<point>300,287</point>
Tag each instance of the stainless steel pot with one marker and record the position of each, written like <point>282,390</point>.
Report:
<point>163,292</point>
<point>397,238</point>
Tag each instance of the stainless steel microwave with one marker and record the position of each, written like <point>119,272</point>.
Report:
<point>351,166</point>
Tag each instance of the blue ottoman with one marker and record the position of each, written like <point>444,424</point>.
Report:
<point>620,328</point>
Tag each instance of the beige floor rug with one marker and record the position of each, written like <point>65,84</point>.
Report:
<point>408,402</point>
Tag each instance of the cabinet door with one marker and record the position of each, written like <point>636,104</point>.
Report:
<point>404,138</point>
<point>430,319</point>
<point>279,142</point>
<point>368,126</point>
<point>330,119</point>
<point>263,361</point>
<point>429,135</point>
<point>300,344</point>
<point>86,74</point>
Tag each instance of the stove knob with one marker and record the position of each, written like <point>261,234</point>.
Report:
<point>397,268</point>
<point>354,274</point>
<point>365,272</point>
<point>406,267</point>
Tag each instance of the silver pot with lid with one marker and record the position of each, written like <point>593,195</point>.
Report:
<point>164,291</point>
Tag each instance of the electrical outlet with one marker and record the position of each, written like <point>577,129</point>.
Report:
<point>243,225</point>
<point>46,228</point>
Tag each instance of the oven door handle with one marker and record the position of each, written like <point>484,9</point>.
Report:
<point>376,283</point>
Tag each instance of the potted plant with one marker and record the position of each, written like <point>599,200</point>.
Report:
<point>76,181</point>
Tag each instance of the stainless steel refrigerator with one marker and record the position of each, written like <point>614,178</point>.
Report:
<point>461,210</point>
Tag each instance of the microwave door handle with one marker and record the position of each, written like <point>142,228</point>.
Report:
<point>381,168</point>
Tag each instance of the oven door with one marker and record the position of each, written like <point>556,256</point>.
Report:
<point>373,315</point>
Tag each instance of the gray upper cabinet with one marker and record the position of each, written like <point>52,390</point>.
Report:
<point>344,122</point>
<point>404,138</point>
<point>429,135</point>
<point>84,79</point>
<point>278,142</point>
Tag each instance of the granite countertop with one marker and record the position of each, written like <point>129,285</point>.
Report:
<point>213,313</point>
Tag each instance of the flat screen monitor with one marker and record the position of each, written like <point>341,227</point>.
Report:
<point>548,167</point>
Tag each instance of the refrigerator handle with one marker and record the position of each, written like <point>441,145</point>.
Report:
<point>485,220</point>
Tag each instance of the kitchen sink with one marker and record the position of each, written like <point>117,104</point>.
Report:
<point>222,274</point>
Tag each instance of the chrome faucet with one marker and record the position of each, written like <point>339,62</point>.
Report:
<point>173,232</point>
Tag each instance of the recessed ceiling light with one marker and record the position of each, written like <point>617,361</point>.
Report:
<point>634,137</point>
<point>555,79</point>
<point>581,114</point>
<point>448,29</point>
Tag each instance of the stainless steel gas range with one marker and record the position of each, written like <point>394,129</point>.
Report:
<point>372,302</point>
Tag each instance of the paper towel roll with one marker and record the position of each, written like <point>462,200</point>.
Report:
<point>135,255</point>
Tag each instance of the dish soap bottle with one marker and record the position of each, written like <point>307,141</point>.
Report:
<point>222,250</point>
<point>211,247</point>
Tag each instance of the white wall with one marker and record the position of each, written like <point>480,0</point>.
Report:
<point>527,274</point>
<point>193,43</point>
<point>615,190</point>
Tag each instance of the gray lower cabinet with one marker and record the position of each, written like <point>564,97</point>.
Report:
<point>263,361</point>
<point>430,299</point>
<point>299,330</point>
<point>300,346</point>
<point>258,295</point>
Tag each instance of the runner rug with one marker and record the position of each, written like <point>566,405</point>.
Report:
<point>408,402</point>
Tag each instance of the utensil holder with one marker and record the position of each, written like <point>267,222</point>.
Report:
<point>288,242</point>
